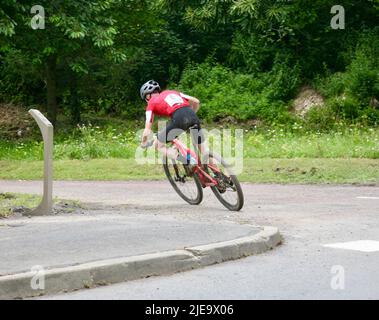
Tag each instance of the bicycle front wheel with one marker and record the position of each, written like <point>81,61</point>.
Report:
<point>186,185</point>
<point>228,191</point>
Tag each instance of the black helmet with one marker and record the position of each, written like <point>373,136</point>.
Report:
<point>149,87</point>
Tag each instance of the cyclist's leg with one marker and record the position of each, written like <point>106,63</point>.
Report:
<point>185,118</point>
<point>167,135</point>
<point>182,120</point>
<point>197,134</point>
<point>200,143</point>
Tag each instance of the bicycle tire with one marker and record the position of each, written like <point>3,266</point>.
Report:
<point>199,197</point>
<point>240,202</point>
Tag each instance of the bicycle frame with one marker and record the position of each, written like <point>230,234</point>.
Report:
<point>205,179</point>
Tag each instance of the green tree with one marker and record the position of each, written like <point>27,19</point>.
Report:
<point>297,30</point>
<point>75,32</point>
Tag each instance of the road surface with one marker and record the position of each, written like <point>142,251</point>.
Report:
<point>331,248</point>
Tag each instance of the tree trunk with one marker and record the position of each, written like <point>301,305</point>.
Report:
<point>74,101</point>
<point>51,84</point>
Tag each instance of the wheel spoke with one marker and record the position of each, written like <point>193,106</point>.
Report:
<point>185,184</point>
<point>227,192</point>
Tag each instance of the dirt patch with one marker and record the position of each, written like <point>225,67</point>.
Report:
<point>306,100</point>
<point>296,170</point>
<point>15,121</point>
<point>254,123</point>
<point>227,120</point>
<point>60,207</point>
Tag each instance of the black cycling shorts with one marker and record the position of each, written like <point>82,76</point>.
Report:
<point>183,119</point>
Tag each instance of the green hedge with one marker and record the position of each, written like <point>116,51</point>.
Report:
<point>226,93</point>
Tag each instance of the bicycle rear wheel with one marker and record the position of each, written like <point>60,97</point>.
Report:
<point>186,185</point>
<point>228,191</point>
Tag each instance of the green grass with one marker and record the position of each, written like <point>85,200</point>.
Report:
<point>347,143</point>
<point>291,154</point>
<point>263,170</point>
<point>93,142</point>
<point>11,200</point>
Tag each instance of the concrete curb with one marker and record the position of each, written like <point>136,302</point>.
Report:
<point>104,272</point>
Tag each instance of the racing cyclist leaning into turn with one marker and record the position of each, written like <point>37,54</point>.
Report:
<point>180,108</point>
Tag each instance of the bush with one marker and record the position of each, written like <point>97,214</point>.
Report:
<point>362,80</point>
<point>331,85</point>
<point>250,53</point>
<point>369,117</point>
<point>283,80</point>
<point>346,107</point>
<point>20,81</point>
<point>362,77</point>
<point>226,93</point>
<point>350,93</point>
<point>320,119</point>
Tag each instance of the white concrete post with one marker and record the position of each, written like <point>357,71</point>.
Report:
<point>47,131</point>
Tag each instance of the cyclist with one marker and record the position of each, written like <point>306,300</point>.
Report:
<point>180,108</point>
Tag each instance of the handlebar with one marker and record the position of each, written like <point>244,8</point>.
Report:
<point>149,143</point>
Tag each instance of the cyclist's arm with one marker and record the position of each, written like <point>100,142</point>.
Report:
<point>148,126</point>
<point>194,102</point>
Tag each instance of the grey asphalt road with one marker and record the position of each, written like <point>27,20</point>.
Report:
<point>67,240</point>
<point>309,217</point>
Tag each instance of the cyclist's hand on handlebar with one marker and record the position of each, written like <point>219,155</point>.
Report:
<point>147,144</point>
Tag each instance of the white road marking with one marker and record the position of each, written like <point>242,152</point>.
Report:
<point>373,198</point>
<point>361,245</point>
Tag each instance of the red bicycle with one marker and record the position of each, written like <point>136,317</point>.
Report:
<point>188,180</point>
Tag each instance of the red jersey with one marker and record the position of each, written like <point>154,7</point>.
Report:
<point>167,103</point>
